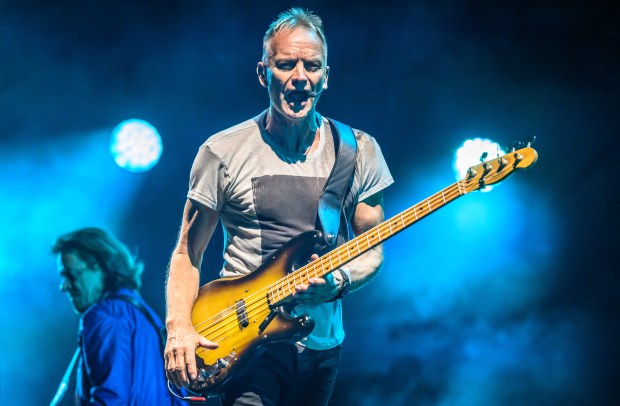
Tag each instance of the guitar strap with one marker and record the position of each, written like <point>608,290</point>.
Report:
<point>339,183</point>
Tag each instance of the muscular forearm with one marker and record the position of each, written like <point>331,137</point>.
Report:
<point>368,214</point>
<point>365,267</point>
<point>181,290</point>
<point>184,273</point>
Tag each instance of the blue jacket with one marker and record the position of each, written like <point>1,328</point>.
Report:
<point>122,358</point>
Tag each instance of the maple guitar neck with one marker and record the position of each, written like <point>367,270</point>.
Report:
<point>364,242</point>
<point>478,177</point>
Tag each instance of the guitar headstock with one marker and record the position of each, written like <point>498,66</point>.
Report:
<point>495,170</point>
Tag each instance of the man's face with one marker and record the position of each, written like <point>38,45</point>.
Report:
<point>82,283</point>
<point>296,66</point>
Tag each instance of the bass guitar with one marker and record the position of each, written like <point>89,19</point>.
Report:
<point>245,314</point>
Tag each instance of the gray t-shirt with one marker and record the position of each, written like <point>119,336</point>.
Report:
<point>266,196</point>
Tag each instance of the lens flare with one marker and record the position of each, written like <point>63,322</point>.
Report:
<point>472,153</point>
<point>135,145</point>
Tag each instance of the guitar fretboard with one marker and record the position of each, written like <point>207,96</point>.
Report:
<point>338,257</point>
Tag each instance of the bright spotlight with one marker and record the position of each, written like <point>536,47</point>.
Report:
<point>135,145</point>
<point>470,153</point>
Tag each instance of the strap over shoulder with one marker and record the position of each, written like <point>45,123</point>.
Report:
<point>339,182</point>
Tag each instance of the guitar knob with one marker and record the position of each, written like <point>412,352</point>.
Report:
<point>204,374</point>
<point>222,362</point>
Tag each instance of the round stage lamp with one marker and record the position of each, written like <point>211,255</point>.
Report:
<point>135,145</point>
<point>473,152</point>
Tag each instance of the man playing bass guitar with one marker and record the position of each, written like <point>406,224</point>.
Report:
<point>262,179</point>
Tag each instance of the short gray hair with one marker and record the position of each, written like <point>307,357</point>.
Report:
<point>290,19</point>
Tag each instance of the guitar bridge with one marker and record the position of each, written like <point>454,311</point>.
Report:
<point>212,375</point>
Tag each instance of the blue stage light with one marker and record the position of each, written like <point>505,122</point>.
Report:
<point>470,154</point>
<point>135,145</point>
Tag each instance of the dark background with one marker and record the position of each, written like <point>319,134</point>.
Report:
<point>508,297</point>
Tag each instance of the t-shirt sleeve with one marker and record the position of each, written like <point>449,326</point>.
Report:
<point>106,345</point>
<point>208,179</point>
<point>373,172</point>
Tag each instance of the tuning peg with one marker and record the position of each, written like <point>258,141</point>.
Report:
<point>522,144</point>
<point>483,156</point>
<point>518,158</point>
<point>531,140</point>
<point>502,162</point>
<point>516,145</point>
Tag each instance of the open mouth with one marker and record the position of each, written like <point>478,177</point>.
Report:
<point>297,96</point>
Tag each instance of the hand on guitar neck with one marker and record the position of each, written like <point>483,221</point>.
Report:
<point>317,290</point>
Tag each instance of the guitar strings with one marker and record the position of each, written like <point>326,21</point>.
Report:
<point>286,279</point>
<point>255,303</point>
<point>380,229</point>
<point>263,307</point>
<point>250,308</point>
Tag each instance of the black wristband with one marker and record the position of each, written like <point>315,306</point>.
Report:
<point>346,283</point>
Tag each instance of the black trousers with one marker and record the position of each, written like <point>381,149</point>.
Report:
<point>286,374</point>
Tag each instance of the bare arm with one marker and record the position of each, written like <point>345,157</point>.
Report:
<point>182,290</point>
<point>368,214</point>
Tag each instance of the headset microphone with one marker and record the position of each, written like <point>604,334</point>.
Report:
<point>314,94</point>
